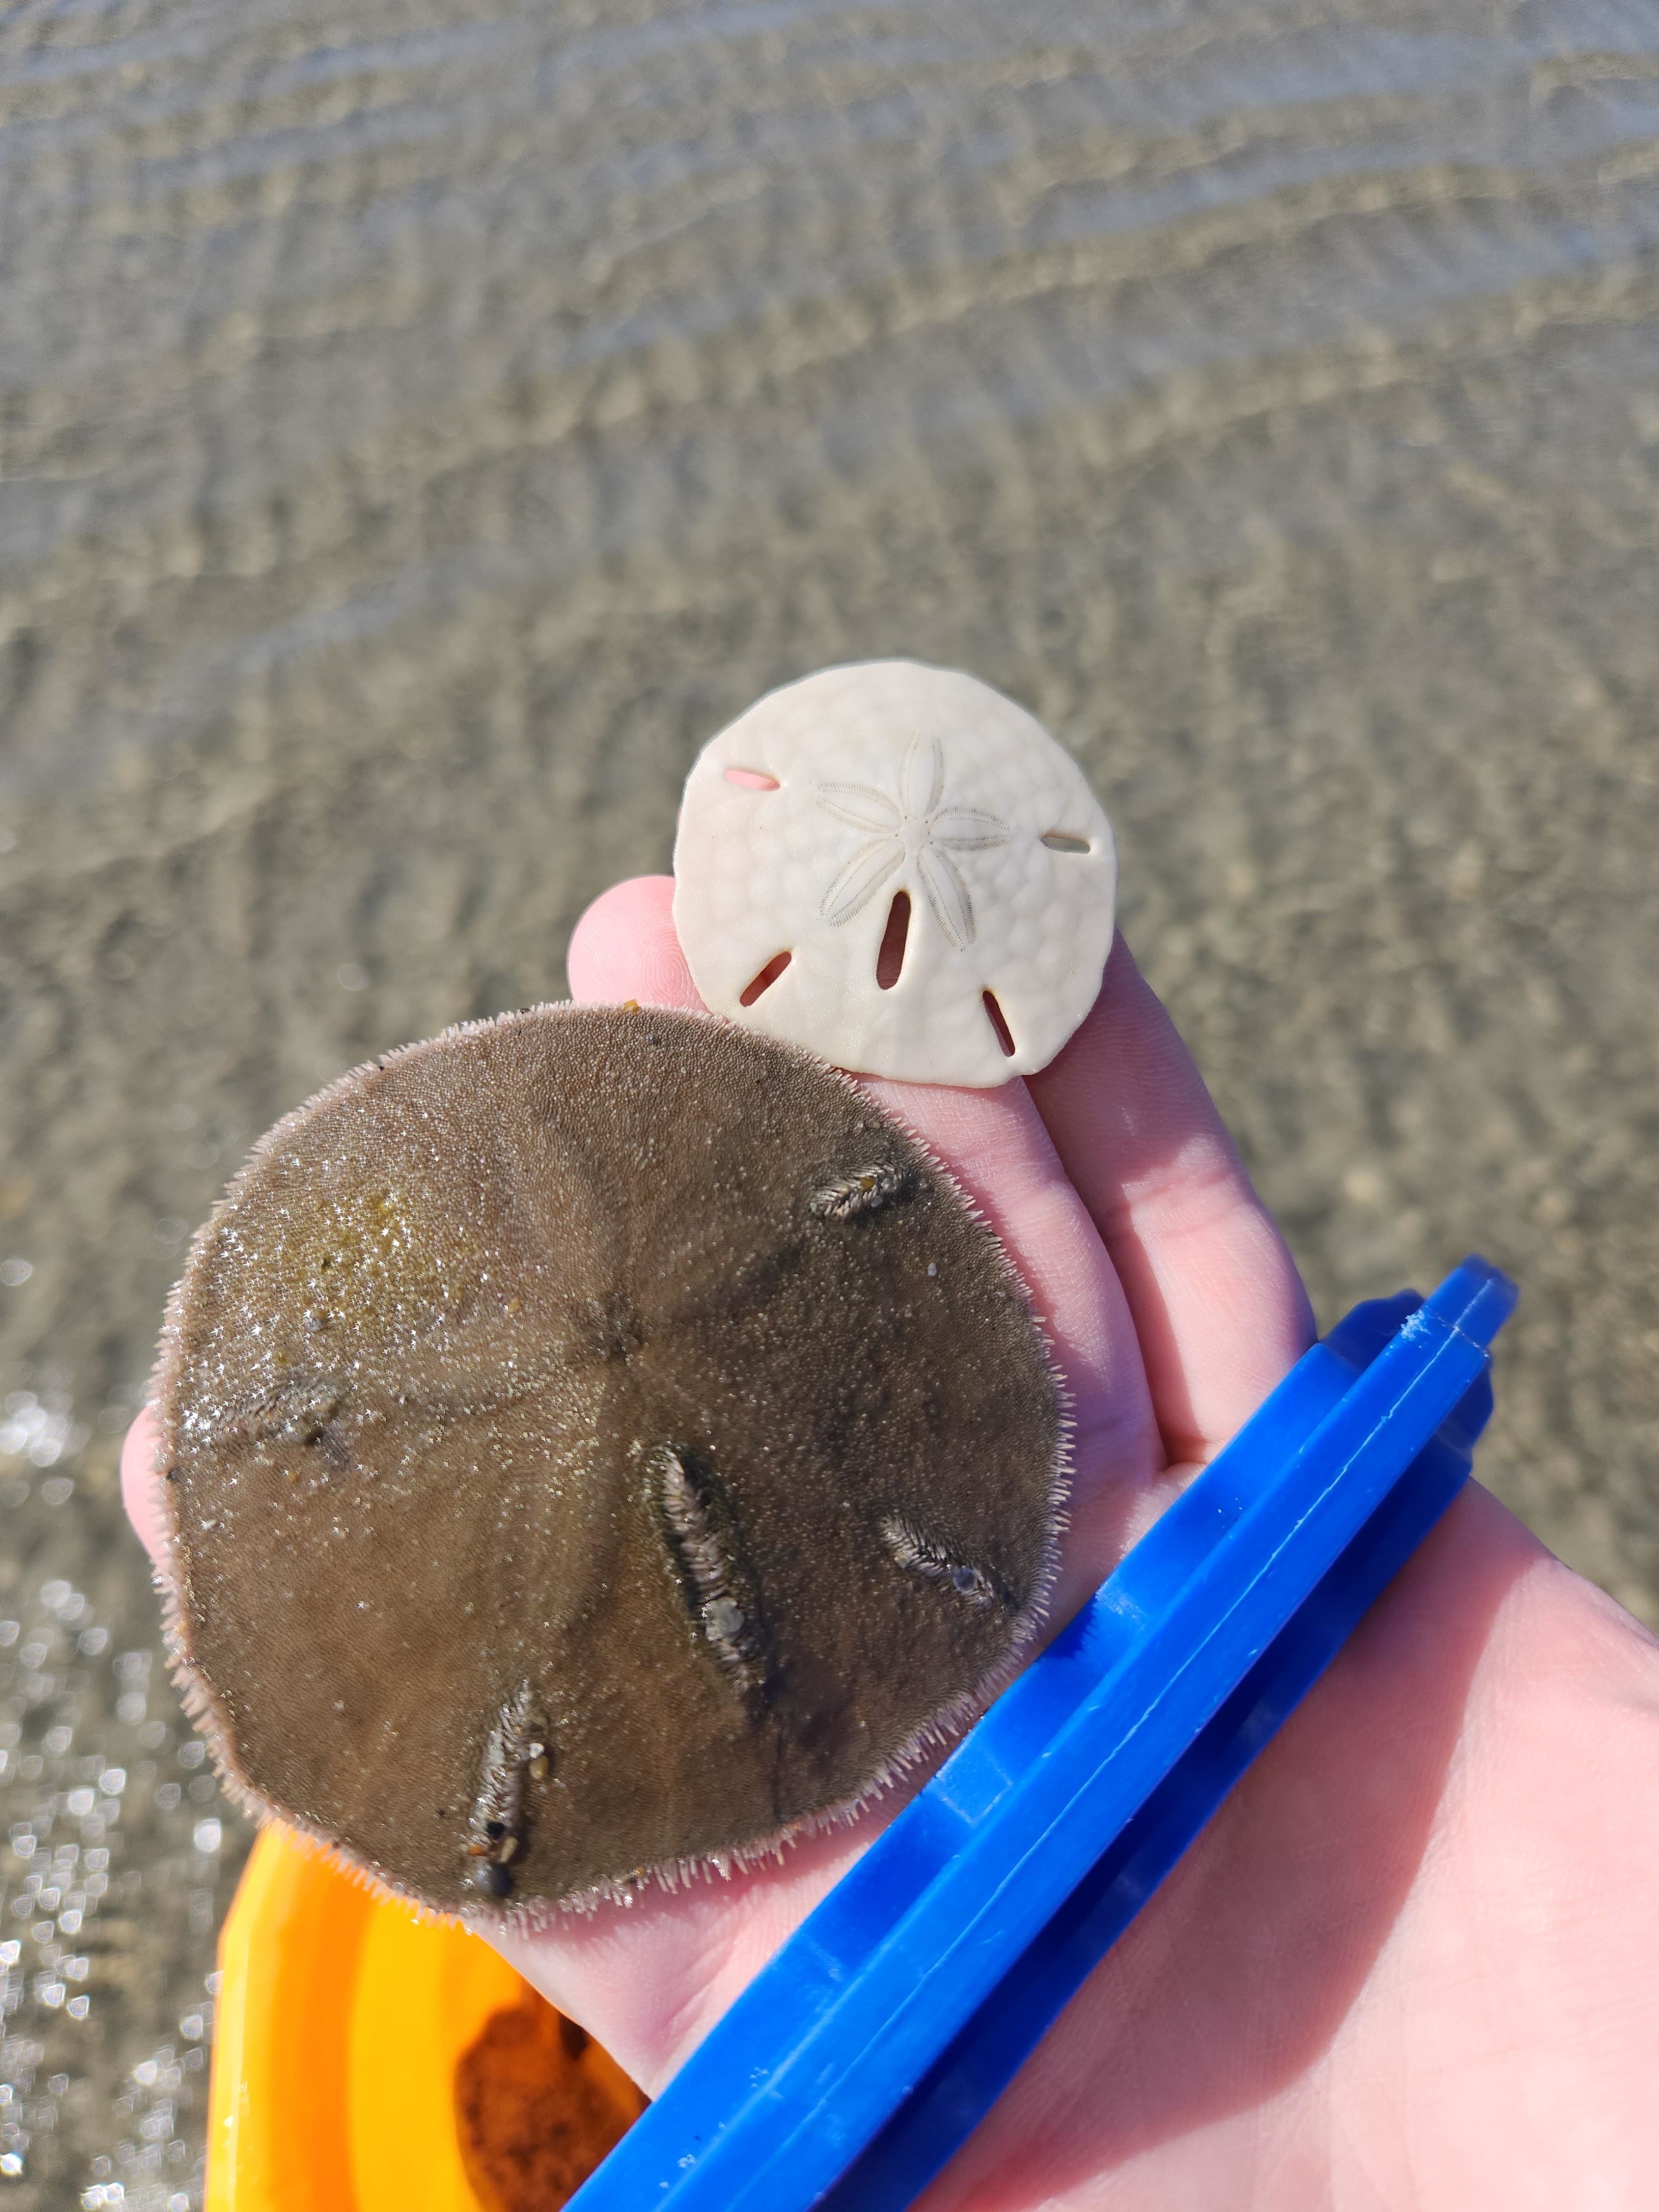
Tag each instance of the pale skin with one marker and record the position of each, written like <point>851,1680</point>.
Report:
<point>1413,1964</point>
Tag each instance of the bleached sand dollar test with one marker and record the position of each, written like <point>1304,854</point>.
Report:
<point>596,1443</point>
<point>899,869</point>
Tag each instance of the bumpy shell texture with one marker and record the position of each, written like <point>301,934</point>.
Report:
<point>898,868</point>
<point>597,1442</point>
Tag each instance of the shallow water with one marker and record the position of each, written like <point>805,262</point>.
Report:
<point>422,426</point>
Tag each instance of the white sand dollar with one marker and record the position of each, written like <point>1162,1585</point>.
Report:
<point>898,868</point>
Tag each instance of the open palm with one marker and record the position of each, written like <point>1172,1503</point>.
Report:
<point>1414,1961</point>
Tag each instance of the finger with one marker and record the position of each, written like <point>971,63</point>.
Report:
<point>994,1144</point>
<point>141,1485</point>
<point>1218,1307</point>
<point>625,947</point>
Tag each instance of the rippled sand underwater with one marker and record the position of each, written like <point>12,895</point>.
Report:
<point>420,428</point>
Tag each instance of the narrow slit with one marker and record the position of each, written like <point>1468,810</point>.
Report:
<point>1058,841</point>
<point>890,958</point>
<point>703,1543</point>
<point>769,975</point>
<point>998,1023</point>
<point>751,778</point>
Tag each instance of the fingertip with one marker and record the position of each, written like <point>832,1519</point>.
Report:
<point>625,947</point>
<point>140,1482</point>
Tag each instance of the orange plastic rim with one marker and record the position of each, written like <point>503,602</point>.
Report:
<point>341,2018</point>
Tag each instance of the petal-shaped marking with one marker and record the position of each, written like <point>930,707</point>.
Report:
<point>965,830</point>
<point>947,894</point>
<point>865,807</point>
<point>921,781</point>
<point>861,878</point>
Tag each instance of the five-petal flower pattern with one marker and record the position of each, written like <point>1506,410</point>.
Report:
<point>913,827</point>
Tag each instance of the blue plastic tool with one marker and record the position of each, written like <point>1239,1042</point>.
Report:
<point>865,2053</point>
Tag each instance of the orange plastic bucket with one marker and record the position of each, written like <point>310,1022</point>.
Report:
<point>367,2060</point>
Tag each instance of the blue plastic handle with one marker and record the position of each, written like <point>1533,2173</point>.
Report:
<point>867,2050</point>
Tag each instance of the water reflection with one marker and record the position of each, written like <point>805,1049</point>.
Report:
<point>109,1890</point>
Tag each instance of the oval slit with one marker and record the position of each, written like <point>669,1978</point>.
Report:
<point>751,778</point>
<point>998,1023</point>
<point>764,983</point>
<point>1061,840</point>
<point>890,958</point>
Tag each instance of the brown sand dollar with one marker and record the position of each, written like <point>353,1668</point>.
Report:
<point>597,1442</point>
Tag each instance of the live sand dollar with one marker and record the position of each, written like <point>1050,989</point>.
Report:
<point>899,869</point>
<point>598,1443</point>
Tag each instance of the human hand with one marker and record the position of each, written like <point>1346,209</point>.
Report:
<point>1412,1962</point>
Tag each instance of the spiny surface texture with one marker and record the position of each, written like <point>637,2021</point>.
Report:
<point>596,1442</point>
<point>899,869</point>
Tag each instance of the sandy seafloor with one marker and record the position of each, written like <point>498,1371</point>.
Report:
<point>424,424</point>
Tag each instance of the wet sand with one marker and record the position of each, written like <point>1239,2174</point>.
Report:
<point>421,432</point>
